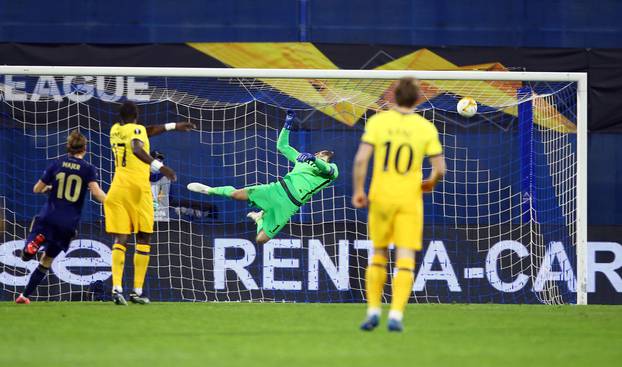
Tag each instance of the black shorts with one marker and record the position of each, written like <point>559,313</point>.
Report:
<point>57,239</point>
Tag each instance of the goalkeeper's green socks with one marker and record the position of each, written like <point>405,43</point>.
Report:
<point>225,191</point>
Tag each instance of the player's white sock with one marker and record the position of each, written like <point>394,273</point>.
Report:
<point>396,315</point>
<point>373,311</point>
<point>138,291</point>
<point>117,289</point>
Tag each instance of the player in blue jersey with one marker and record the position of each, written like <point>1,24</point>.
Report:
<point>66,181</point>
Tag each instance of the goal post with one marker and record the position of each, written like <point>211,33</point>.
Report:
<point>478,207</point>
<point>582,91</point>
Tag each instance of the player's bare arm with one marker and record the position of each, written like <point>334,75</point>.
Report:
<point>153,130</point>
<point>140,153</point>
<point>438,172</point>
<point>41,188</point>
<point>97,192</point>
<point>359,172</point>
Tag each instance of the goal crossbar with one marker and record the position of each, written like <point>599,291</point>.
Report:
<point>293,73</point>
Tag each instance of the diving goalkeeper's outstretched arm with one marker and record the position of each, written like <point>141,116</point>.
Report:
<point>282,144</point>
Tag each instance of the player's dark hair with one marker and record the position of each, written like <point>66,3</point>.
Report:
<point>128,112</point>
<point>76,143</point>
<point>407,92</point>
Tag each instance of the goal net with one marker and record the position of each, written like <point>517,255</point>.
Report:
<point>504,225</point>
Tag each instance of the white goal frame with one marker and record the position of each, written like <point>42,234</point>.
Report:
<point>579,78</point>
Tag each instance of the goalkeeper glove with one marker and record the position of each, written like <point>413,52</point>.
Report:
<point>305,157</point>
<point>289,119</point>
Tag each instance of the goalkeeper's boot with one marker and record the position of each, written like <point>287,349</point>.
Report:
<point>199,187</point>
<point>395,325</point>
<point>22,300</point>
<point>370,323</point>
<point>139,300</point>
<point>255,216</point>
<point>118,299</point>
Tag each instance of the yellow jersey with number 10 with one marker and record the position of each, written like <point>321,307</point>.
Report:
<point>129,170</point>
<point>400,142</point>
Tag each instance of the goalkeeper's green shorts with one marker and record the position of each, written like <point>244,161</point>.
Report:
<point>276,205</point>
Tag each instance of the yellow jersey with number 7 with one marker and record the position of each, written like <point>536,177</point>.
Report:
<point>129,170</point>
<point>400,142</point>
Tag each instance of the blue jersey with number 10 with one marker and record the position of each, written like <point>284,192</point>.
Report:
<point>69,177</point>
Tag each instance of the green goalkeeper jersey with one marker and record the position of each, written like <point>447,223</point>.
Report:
<point>306,178</point>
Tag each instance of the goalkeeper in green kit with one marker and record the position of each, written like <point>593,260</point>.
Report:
<point>280,200</point>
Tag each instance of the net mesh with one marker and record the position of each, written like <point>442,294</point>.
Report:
<point>500,227</point>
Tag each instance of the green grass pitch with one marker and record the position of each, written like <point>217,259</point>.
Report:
<point>269,334</point>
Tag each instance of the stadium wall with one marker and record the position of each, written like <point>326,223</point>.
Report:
<point>528,23</point>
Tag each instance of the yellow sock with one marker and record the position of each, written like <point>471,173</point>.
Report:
<point>141,262</point>
<point>118,262</point>
<point>375,277</point>
<point>402,286</point>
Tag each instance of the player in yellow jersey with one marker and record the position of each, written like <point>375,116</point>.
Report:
<point>399,139</point>
<point>129,205</point>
